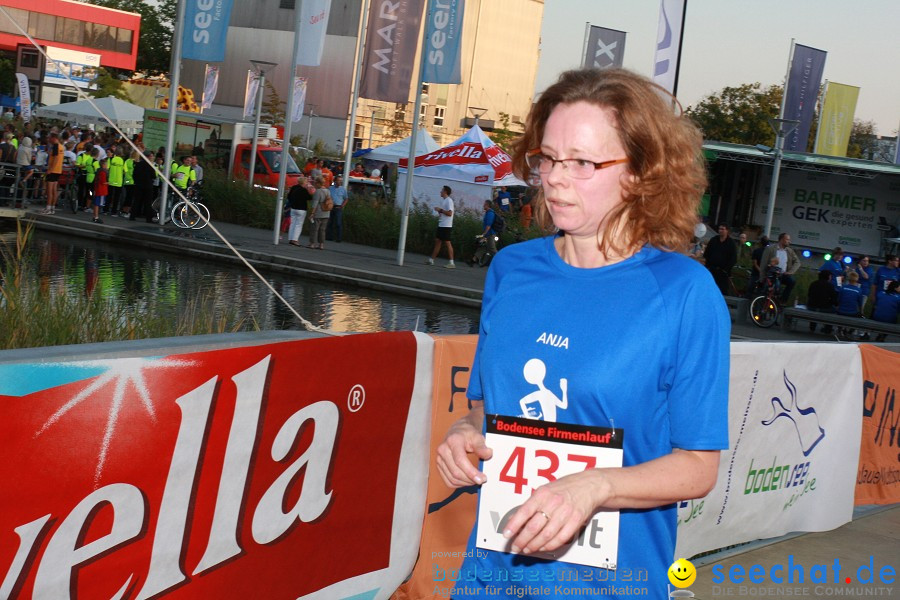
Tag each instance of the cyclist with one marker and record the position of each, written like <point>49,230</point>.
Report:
<point>183,175</point>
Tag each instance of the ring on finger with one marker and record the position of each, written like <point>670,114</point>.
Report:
<point>546,516</point>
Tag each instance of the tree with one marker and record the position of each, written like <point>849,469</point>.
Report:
<point>863,141</point>
<point>109,86</point>
<point>739,115</point>
<point>503,136</point>
<point>157,25</point>
<point>7,77</point>
<point>273,110</point>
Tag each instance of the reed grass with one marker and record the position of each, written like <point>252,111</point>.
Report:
<point>35,315</point>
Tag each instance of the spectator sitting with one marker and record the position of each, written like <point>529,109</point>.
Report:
<point>821,297</point>
<point>850,297</point>
<point>887,306</point>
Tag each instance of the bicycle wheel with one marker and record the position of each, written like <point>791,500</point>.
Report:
<point>72,198</point>
<point>194,216</point>
<point>764,311</point>
<point>175,215</point>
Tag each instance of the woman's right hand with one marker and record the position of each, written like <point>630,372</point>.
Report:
<point>463,438</point>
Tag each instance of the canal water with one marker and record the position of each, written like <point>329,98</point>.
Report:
<point>164,283</point>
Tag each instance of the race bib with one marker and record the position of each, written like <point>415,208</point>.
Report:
<point>530,453</point>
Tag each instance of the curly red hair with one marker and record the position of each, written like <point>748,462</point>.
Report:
<point>660,200</point>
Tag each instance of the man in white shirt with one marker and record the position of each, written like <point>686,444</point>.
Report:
<point>444,228</point>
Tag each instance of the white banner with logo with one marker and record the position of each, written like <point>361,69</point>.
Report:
<point>299,98</point>
<point>668,43</point>
<point>823,211</point>
<point>794,434</point>
<point>24,96</point>
<point>250,93</point>
<point>313,25</point>
<point>210,86</point>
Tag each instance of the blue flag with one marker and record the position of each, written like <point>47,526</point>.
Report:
<point>443,38</point>
<point>206,29</point>
<point>807,67</point>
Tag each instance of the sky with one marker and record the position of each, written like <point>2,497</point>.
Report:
<point>732,42</point>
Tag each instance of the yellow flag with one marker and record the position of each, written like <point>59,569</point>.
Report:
<point>836,120</point>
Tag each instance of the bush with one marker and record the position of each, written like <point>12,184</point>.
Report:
<point>233,202</point>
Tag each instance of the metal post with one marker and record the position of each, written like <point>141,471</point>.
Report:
<point>782,128</point>
<point>371,129</point>
<point>174,80</point>
<point>354,100</point>
<point>255,144</point>
<point>310,116</point>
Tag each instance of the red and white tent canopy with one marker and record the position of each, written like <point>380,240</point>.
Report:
<point>471,166</point>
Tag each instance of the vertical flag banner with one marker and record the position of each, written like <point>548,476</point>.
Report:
<point>206,30</point>
<point>24,96</point>
<point>836,120</point>
<point>605,48</point>
<point>802,91</point>
<point>311,37</point>
<point>668,42</point>
<point>443,42</point>
<point>210,86</point>
<point>250,93</point>
<point>299,92</point>
<point>391,42</point>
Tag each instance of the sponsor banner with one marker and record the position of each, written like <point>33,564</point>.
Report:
<point>836,120</point>
<point>668,43</point>
<point>825,210</point>
<point>311,38</point>
<point>210,86</point>
<point>206,29</point>
<point>392,38</point>
<point>803,83</point>
<point>451,513</point>
<point>443,42</point>
<point>299,98</point>
<point>24,96</point>
<point>605,48</point>
<point>250,93</point>
<point>211,474</point>
<point>80,67</point>
<point>878,475</point>
<point>794,447</point>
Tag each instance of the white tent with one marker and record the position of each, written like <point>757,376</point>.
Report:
<point>472,166</point>
<point>124,114</point>
<point>392,153</point>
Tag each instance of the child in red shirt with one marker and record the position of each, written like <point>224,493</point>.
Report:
<point>101,189</point>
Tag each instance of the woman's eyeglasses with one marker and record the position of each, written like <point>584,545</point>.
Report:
<point>577,168</point>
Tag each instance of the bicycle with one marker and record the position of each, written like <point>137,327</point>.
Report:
<point>68,194</point>
<point>192,214</point>
<point>764,308</point>
<point>483,253</point>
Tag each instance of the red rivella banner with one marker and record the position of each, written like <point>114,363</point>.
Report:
<point>272,471</point>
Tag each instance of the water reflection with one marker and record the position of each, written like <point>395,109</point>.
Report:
<point>163,284</point>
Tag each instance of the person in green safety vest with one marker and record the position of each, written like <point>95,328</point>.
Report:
<point>183,175</point>
<point>128,197</point>
<point>116,181</point>
<point>91,166</point>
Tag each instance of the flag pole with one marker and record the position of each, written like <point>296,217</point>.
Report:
<point>288,122</point>
<point>819,127</point>
<point>411,162</point>
<point>174,81</point>
<point>779,148</point>
<point>360,49</point>
<point>584,46</point>
<point>680,48</point>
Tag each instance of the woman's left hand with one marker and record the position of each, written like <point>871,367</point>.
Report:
<point>555,512</point>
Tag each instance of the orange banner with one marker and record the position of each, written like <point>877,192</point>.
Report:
<point>451,513</point>
<point>878,477</point>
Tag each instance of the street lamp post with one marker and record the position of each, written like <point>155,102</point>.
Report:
<point>312,113</point>
<point>782,128</point>
<point>477,112</point>
<point>261,66</point>
<point>371,128</point>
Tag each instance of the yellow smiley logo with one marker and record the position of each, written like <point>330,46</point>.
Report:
<point>682,573</point>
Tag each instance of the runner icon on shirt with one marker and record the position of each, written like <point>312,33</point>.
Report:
<point>543,403</point>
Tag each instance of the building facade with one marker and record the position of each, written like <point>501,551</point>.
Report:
<point>499,63</point>
<point>78,37</point>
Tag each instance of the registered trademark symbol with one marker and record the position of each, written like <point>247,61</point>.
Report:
<point>356,398</point>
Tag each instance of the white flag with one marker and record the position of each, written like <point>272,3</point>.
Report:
<point>210,87</point>
<point>311,37</point>
<point>24,96</point>
<point>668,42</point>
<point>250,93</point>
<point>299,98</point>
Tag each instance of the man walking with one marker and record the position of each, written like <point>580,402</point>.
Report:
<point>787,262</point>
<point>444,228</point>
<point>336,221</point>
